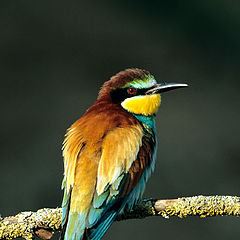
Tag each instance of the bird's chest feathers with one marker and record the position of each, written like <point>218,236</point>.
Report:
<point>145,105</point>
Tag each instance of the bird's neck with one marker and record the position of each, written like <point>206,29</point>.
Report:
<point>148,120</point>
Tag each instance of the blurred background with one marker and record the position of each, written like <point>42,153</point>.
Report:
<point>54,57</point>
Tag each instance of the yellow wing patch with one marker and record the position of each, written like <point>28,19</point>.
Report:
<point>145,105</point>
<point>119,149</point>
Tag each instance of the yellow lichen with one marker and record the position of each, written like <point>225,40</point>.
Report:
<point>153,211</point>
<point>24,224</point>
<point>204,206</point>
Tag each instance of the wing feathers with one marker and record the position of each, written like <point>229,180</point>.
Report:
<point>72,146</point>
<point>118,157</point>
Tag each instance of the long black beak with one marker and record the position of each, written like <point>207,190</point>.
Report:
<point>164,87</point>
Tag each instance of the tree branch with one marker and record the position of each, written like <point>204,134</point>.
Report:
<point>45,221</point>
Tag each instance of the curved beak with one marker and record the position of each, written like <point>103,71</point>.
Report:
<point>164,87</point>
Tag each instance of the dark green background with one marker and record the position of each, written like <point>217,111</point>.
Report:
<point>55,55</point>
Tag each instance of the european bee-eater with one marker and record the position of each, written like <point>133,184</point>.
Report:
<point>109,153</point>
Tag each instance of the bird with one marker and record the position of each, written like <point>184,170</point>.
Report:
<point>109,154</point>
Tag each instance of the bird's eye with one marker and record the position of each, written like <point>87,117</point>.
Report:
<point>131,91</point>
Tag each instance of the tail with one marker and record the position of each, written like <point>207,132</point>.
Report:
<point>93,223</point>
<point>90,225</point>
<point>75,231</point>
<point>72,223</point>
<point>97,231</point>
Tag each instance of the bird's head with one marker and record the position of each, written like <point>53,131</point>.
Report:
<point>136,90</point>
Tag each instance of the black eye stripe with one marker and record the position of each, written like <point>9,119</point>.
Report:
<point>120,94</point>
<point>142,91</point>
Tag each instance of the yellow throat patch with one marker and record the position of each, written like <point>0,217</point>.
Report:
<point>146,105</point>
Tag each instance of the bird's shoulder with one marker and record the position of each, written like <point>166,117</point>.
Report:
<point>102,118</point>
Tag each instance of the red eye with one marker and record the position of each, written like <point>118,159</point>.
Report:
<point>131,90</point>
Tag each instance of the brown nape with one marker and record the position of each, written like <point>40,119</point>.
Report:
<point>119,80</point>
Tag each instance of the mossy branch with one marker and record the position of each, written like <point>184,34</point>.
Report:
<point>45,222</point>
